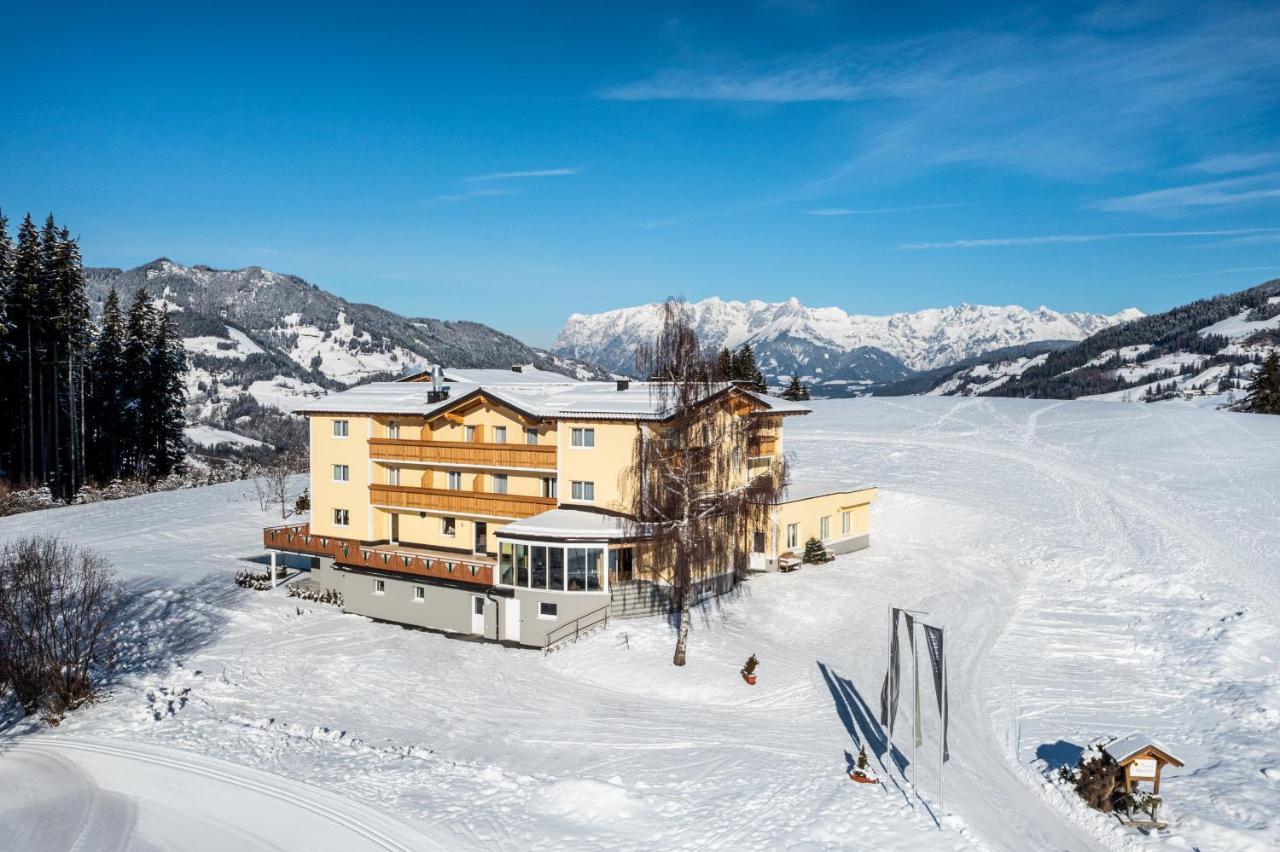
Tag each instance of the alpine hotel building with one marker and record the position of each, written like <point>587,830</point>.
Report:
<point>493,505</point>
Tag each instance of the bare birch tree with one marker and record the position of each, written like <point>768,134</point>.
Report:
<point>697,499</point>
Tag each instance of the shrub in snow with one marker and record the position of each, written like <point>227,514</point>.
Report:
<point>57,602</point>
<point>862,768</point>
<point>1097,778</point>
<point>258,582</point>
<point>324,596</point>
<point>17,501</point>
<point>815,553</point>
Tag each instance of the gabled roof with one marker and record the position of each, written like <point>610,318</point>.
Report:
<point>1133,744</point>
<point>564,400</point>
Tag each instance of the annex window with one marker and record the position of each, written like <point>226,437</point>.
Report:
<point>793,535</point>
<point>531,435</point>
<point>846,522</point>
<point>455,480</point>
<point>499,483</point>
<point>584,569</point>
<point>379,587</point>
<point>584,491</point>
<point>449,526</point>
<point>499,434</point>
<point>341,518</point>
<point>419,594</point>
<point>469,433</point>
<point>341,473</point>
<point>549,488</point>
<point>757,542</point>
<point>546,609</point>
<point>824,527</point>
<point>393,429</point>
<point>341,428</point>
<point>582,437</point>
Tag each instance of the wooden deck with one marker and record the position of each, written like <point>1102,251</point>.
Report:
<point>400,559</point>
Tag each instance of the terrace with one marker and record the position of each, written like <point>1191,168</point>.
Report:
<point>397,558</point>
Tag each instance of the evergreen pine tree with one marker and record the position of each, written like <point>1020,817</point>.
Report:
<point>67,309</point>
<point>107,396</point>
<point>24,307</point>
<point>815,553</point>
<point>1264,390</point>
<point>724,365</point>
<point>168,364</point>
<point>795,391</point>
<point>136,437</point>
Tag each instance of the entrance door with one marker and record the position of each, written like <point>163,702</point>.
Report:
<point>512,608</point>
<point>395,527</point>
<point>482,536</point>
<point>477,614</point>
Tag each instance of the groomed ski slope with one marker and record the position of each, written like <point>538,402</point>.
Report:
<point>1099,567</point>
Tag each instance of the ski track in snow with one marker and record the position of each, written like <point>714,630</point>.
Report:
<point>1099,567</point>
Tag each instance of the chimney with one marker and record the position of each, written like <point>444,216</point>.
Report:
<point>624,384</point>
<point>439,390</point>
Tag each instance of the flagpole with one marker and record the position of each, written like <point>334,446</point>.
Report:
<point>942,723</point>
<point>890,702</point>
<point>915,716</point>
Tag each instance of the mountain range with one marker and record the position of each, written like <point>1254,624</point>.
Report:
<point>1204,352</point>
<point>835,352</point>
<point>259,341</point>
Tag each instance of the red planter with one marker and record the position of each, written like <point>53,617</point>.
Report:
<point>862,779</point>
<point>749,678</point>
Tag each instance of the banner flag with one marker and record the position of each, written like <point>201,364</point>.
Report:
<point>933,639</point>
<point>889,692</point>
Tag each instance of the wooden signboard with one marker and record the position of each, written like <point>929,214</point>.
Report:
<point>1144,769</point>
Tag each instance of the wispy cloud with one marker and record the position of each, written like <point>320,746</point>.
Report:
<point>469,195</point>
<point>1225,164</point>
<point>872,211</point>
<point>1218,193</point>
<point>529,173</point>
<point>1054,239</point>
<point>1099,96</point>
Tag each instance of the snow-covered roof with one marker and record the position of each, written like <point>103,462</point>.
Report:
<point>526,376</point>
<point>807,489</point>
<point>564,398</point>
<point>1130,744</point>
<point>567,523</point>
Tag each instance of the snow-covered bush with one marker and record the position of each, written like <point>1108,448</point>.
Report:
<point>17,501</point>
<point>259,582</point>
<point>324,596</point>
<point>815,553</point>
<point>1097,778</point>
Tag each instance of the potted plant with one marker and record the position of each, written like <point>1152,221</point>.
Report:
<point>749,670</point>
<point>861,771</point>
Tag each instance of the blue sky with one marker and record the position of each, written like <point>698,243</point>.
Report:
<point>515,163</point>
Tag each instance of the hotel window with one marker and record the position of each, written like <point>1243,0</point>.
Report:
<point>341,428</point>
<point>531,435</point>
<point>393,476</point>
<point>341,518</point>
<point>449,526</point>
<point>582,437</point>
<point>846,522</point>
<point>393,429</point>
<point>584,491</point>
<point>419,594</point>
<point>341,473</point>
<point>549,487</point>
<point>584,569</point>
<point>469,432</point>
<point>499,483</point>
<point>499,434</point>
<point>824,527</point>
<point>379,587</point>
<point>546,609</point>
<point>793,535</point>
<point>455,480</point>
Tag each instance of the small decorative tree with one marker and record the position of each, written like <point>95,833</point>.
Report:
<point>1097,778</point>
<point>815,553</point>
<point>861,770</point>
<point>303,504</point>
<point>749,669</point>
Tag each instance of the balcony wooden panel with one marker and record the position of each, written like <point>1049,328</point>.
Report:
<point>765,445</point>
<point>459,502</point>
<point>298,538</point>
<point>464,453</point>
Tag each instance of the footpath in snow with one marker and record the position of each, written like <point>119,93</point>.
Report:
<point>1099,567</point>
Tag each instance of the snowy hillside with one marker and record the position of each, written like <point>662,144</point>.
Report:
<point>1099,568</point>
<point>260,342</point>
<point>1204,352</point>
<point>829,347</point>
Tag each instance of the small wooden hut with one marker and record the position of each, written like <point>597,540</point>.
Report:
<point>1142,758</point>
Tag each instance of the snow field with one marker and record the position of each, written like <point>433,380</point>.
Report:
<point>1098,568</point>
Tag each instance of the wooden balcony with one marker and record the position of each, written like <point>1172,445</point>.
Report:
<point>439,565</point>
<point>765,445</point>
<point>447,501</point>
<point>463,453</point>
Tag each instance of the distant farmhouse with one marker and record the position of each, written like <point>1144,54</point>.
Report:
<point>493,503</point>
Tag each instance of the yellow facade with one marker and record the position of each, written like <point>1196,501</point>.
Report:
<point>847,515</point>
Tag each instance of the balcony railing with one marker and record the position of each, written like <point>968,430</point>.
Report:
<point>765,445</point>
<point>483,503</point>
<point>298,538</point>
<point>464,453</point>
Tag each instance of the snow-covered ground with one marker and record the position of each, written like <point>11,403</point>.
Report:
<point>208,436</point>
<point>1099,568</point>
